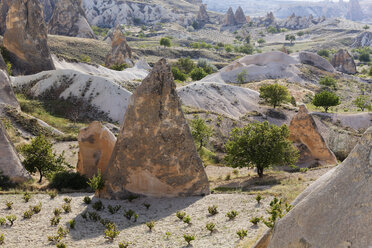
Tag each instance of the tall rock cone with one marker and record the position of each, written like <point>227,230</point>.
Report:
<point>121,53</point>
<point>335,211</point>
<point>355,12</point>
<point>155,154</point>
<point>307,138</point>
<point>344,62</point>
<point>202,16</point>
<point>10,165</point>
<point>69,20</point>
<point>240,17</point>
<point>26,38</point>
<point>7,96</point>
<point>229,18</point>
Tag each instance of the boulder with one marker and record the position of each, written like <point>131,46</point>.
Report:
<point>363,40</point>
<point>96,143</point>
<point>316,61</point>
<point>69,20</point>
<point>335,211</point>
<point>354,12</point>
<point>7,96</point>
<point>344,62</point>
<point>120,50</point>
<point>305,135</point>
<point>10,164</point>
<point>229,18</point>
<point>155,154</point>
<point>26,38</point>
<point>203,16</point>
<point>240,17</point>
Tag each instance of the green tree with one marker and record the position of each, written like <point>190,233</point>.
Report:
<point>228,48</point>
<point>290,37</point>
<point>365,27</point>
<point>326,99</point>
<point>363,102</point>
<point>364,56</point>
<point>324,53</point>
<point>300,33</point>
<point>261,41</point>
<point>198,73</point>
<point>328,81</point>
<point>200,131</point>
<point>186,65</point>
<point>178,75</point>
<point>166,42</point>
<point>39,157</point>
<point>242,76</point>
<point>260,145</point>
<point>275,94</point>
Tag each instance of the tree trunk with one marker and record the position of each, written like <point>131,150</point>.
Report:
<point>260,171</point>
<point>41,177</point>
<point>326,109</point>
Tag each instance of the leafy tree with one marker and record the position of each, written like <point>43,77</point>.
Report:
<point>261,41</point>
<point>290,37</point>
<point>166,42</point>
<point>247,49</point>
<point>242,76</point>
<point>206,65</point>
<point>186,65</point>
<point>228,48</point>
<point>328,81</point>
<point>39,157</point>
<point>300,33</point>
<point>364,56</point>
<point>324,53</point>
<point>178,75</point>
<point>260,145</point>
<point>326,99</point>
<point>198,73</point>
<point>365,27</point>
<point>200,131</point>
<point>363,102</point>
<point>275,94</point>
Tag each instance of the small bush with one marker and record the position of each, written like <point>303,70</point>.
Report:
<point>94,216</point>
<point>232,214</point>
<point>324,53</point>
<point>242,233</point>
<point>124,244</point>
<point>113,210</point>
<point>255,220</point>
<point>329,82</point>
<point>61,234</point>
<point>210,227</point>
<point>11,219</point>
<point>105,222</point>
<point>180,215</point>
<point>111,232</point>
<point>84,215</point>
<point>37,208</point>
<point>67,200</point>
<point>129,214</point>
<point>258,198</point>
<point>26,197</point>
<point>2,221</point>
<point>72,223</point>
<point>212,210</point>
<point>147,205</point>
<point>132,198</point>
<point>2,239</point>
<point>57,212</point>
<point>55,220</point>
<point>119,67</point>
<point>198,74</point>
<point>52,194</point>
<point>98,205</point>
<point>69,180</point>
<point>9,204</point>
<point>61,245</point>
<point>188,238</point>
<point>178,75</point>
<point>150,225</point>
<point>66,207</point>
<point>87,200</point>
<point>96,182</point>
<point>187,219</point>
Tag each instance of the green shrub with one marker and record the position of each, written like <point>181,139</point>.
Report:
<point>200,131</point>
<point>61,234</point>
<point>98,205</point>
<point>96,182</point>
<point>66,207</point>
<point>178,75</point>
<point>326,100</point>
<point>258,198</point>
<point>72,223</point>
<point>272,30</point>
<point>150,225</point>
<point>242,77</point>
<point>84,215</point>
<point>255,220</point>
<point>69,180</point>
<point>26,197</point>
<point>147,205</point>
<point>328,81</point>
<point>2,221</point>
<point>129,214</point>
<point>87,200</point>
<point>229,48</point>
<point>212,210</point>
<point>85,58</point>
<point>52,194</point>
<point>210,227</point>
<point>188,238</point>
<point>364,56</point>
<point>275,94</point>
<point>9,204</point>
<point>119,67</point>
<point>277,210</point>
<point>57,212</point>
<point>232,214</point>
<point>111,232</point>
<point>5,182</point>
<point>180,215</point>
<point>324,53</point>
<point>113,210</point>
<point>61,245</point>
<point>198,74</point>
<point>242,233</point>
<point>11,219</point>
<point>185,65</point>
<point>37,208</point>
<point>166,42</point>
<point>67,199</point>
<point>54,221</point>
<point>124,244</point>
<point>94,216</point>
<point>2,239</point>
<point>187,219</point>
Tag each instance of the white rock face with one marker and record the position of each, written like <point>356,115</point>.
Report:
<point>111,13</point>
<point>362,40</point>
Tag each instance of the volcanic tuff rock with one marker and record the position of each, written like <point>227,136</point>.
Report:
<point>26,38</point>
<point>69,20</point>
<point>268,20</point>
<point>316,61</point>
<point>240,17</point>
<point>155,154</point>
<point>362,40</point>
<point>49,6</point>
<point>335,211</point>
<point>3,12</point>
<point>229,18</point>
<point>120,51</point>
<point>344,62</point>
<point>355,12</point>
<point>96,144</point>
<point>7,96</point>
<point>297,22</point>
<point>10,164</point>
<point>313,149</point>
<point>203,16</point>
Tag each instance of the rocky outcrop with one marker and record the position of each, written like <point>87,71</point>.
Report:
<point>363,40</point>
<point>308,140</point>
<point>96,144</point>
<point>155,153</point>
<point>120,51</point>
<point>69,20</point>
<point>3,13</point>
<point>229,19</point>
<point>344,62</point>
<point>239,16</point>
<point>10,165</point>
<point>335,210</point>
<point>26,38</point>
<point>49,6</point>
<point>268,20</point>
<point>316,61</point>
<point>297,22</point>
<point>7,96</point>
<point>202,17</point>
<point>354,12</point>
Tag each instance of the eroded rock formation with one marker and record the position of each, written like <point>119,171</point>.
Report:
<point>69,20</point>
<point>335,211</point>
<point>297,22</point>
<point>7,96</point>
<point>316,61</point>
<point>239,16</point>
<point>3,13</point>
<point>10,164</point>
<point>26,38</point>
<point>355,12</point>
<point>155,153</point>
<point>344,62</point>
<point>362,40</point>
<point>96,144</point>
<point>229,19</point>
<point>202,17</point>
<point>120,51</point>
<point>306,137</point>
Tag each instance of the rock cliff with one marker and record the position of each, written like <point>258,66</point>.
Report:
<point>344,62</point>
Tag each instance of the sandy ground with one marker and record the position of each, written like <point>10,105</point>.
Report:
<point>35,231</point>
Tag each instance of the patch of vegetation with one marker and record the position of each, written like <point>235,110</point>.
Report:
<point>180,215</point>
<point>329,82</point>
<point>52,194</point>
<point>200,131</point>
<point>111,232</point>
<point>61,234</point>
<point>242,76</point>
<point>11,219</point>
<point>113,210</point>
<point>324,53</point>
<point>100,31</point>
<point>124,244</point>
<point>96,182</point>
<point>242,233</point>
<point>87,200</point>
<point>275,94</point>
<point>54,221</point>
<point>69,180</point>
<point>66,207</point>
<point>326,100</point>
<point>187,220</point>
<point>232,215</point>
<point>9,205</point>
<point>5,182</point>
<point>198,74</point>
<point>188,238</point>
<point>98,205</point>
<point>37,208</point>
<point>363,102</point>
<point>28,214</point>
<point>72,223</point>
<point>212,210</point>
<point>259,198</point>
<point>255,220</point>
<point>277,210</point>
<point>26,196</point>
<point>210,227</point>
<point>119,67</point>
<point>150,225</point>
<point>166,42</point>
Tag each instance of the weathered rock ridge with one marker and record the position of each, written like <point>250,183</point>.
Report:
<point>306,137</point>
<point>362,40</point>
<point>155,154</point>
<point>96,144</point>
<point>26,38</point>
<point>69,19</point>
<point>344,62</point>
<point>316,61</point>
